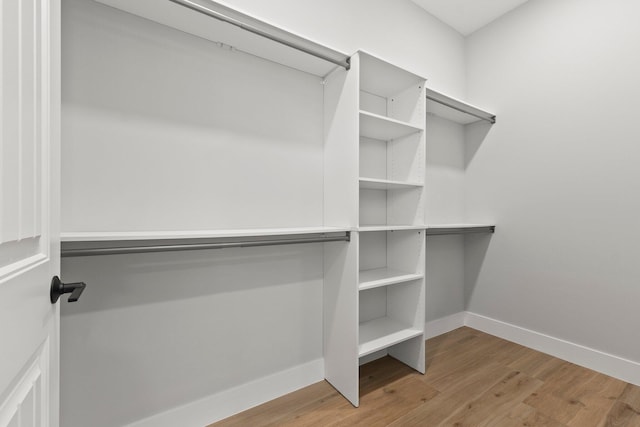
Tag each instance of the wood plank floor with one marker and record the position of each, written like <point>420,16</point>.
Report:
<point>472,379</point>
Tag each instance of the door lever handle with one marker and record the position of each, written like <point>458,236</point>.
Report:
<point>58,288</point>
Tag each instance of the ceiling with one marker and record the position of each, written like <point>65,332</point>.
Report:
<point>467,16</point>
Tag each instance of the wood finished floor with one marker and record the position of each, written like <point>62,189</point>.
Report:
<point>472,379</point>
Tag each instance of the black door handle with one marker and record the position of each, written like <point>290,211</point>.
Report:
<point>58,288</point>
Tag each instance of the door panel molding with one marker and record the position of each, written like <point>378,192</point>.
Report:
<point>26,403</point>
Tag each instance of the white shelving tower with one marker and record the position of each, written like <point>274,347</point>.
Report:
<point>374,183</point>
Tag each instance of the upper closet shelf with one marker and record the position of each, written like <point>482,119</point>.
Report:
<point>383,128</point>
<point>383,227</point>
<point>455,110</point>
<point>385,184</point>
<point>383,79</point>
<point>215,21</point>
<point>112,243</point>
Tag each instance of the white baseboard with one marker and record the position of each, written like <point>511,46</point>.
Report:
<point>608,364</point>
<point>440,326</point>
<point>229,402</point>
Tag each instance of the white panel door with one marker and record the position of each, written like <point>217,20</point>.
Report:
<point>29,197</point>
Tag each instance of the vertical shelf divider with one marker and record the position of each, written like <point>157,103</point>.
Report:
<point>340,296</point>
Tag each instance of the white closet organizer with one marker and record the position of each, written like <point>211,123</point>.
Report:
<point>374,180</point>
<point>373,191</point>
<point>233,30</point>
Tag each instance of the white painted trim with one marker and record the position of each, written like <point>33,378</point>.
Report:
<point>229,402</point>
<point>35,380</point>
<point>609,364</point>
<point>440,326</point>
<point>13,270</point>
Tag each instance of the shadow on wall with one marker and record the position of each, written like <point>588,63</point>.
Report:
<point>118,281</point>
<point>475,251</point>
<point>475,133</point>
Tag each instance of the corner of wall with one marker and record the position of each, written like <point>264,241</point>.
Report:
<point>608,364</point>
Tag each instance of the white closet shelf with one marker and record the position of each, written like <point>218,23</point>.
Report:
<point>382,333</point>
<point>383,128</point>
<point>453,109</point>
<point>369,228</point>
<point>217,22</point>
<point>113,243</point>
<point>442,229</point>
<point>379,277</point>
<point>385,184</point>
<point>379,77</point>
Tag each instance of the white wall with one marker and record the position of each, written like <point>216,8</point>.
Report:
<point>559,171</point>
<point>445,178</point>
<point>159,121</point>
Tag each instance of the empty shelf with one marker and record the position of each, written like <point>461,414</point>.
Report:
<point>382,227</point>
<point>442,229</point>
<point>385,184</point>
<point>382,333</point>
<point>455,110</point>
<point>383,128</point>
<point>370,279</point>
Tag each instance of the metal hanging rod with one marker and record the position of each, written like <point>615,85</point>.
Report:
<point>440,231</point>
<point>68,249</point>
<point>343,62</point>
<point>460,106</point>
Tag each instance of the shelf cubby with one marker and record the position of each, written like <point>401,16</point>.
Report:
<point>382,128</point>
<point>382,333</point>
<point>400,251</point>
<point>393,206</point>
<point>389,91</point>
<point>400,160</point>
<point>390,315</point>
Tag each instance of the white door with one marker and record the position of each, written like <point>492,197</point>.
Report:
<point>29,212</point>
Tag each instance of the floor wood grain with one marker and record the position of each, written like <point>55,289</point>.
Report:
<point>472,379</point>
